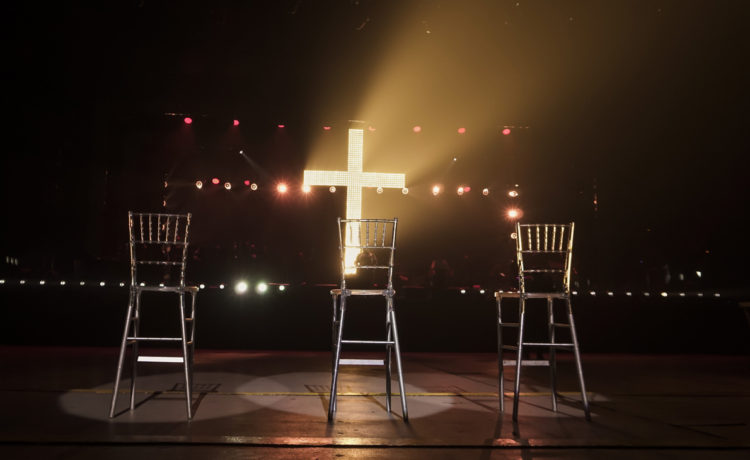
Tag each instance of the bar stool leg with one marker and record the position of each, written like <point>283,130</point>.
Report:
<point>552,352</point>
<point>399,367</point>
<point>185,359</point>
<point>388,349</point>
<point>123,345</point>
<point>337,357</point>
<point>136,329</point>
<point>501,377</point>
<point>579,366</point>
<point>517,386</point>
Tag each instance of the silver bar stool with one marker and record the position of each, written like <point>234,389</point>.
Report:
<point>366,245</point>
<point>543,251</point>
<point>158,256</point>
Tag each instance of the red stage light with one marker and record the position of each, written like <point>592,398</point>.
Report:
<point>461,130</point>
<point>247,182</point>
<point>215,181</point>
<point>236,122</point>
<point>417,129</point>
<point>188,120</point>
<point>326,128</point>
<point>280,126</point>
<point>506,131</point>
<point>467,188</point>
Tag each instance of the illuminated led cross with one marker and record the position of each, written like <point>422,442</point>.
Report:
<point>354,180</point>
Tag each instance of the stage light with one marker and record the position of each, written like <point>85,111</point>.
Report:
<point>514,213</point>
<point>228,185</point>
<point>513,236</point>
<point>102,284</point>
<point>202,286</point>
<point>282,288</point>
<point>417,129</point>
<point>281,126</point>
<point>463,291</point>
<point>664,294</point>
<point>188,120</point>
<point>436,190</point>
<point>467,189</point>
<point>3,281</point>
<point>682,294</point>
<point>379,190</point>
<point>506,131</point>
<point>592,293</point>
<point>22,282</point>
<point>405,190</point>
<point>122,284</point>
<point>62,283</point>
<point>460,191</point>
<point>326,128</point>
<point>253,186</point>
<point>485,191</point>
<point>481,291</point>
<point>215,181</point>
<point>221,286</point>
<point>261,288</point>
<point>246,182</point>
<point>306,188</point>
<point>235,122</point>
<point>698,273</point>
<point>240,288</point>
<point>281,188</point>
<point>42,282</point>
<point>629,294</point>
<point>461,130</point>
<point>513,194</point>
<point>332,189</point>
<point>199,184</point>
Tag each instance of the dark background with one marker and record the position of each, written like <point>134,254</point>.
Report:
<point>639,104</point>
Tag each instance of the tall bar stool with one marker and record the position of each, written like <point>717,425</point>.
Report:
<point>158,255</point>
<point>368,246</point>
<point>544,253</point>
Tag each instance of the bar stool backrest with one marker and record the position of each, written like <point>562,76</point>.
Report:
<point>158,248</point>
<point>544,255</point>
<point>368,245</point>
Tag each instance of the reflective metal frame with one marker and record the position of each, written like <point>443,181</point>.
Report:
<point>152,238</point>
<point>357,235</point>
<point>533,240</point>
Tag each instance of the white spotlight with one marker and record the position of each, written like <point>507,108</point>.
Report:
<point>261,288</point>
<point>379,190</point>
<point>282,288</point>
<point>240,288</point>
<point>405,191</point>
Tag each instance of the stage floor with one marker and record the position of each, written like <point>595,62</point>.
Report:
<point>54,403</point>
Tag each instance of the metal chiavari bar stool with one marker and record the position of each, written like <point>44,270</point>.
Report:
<point>152,240</point>
<point>546,251</point>
<point>361,241</point>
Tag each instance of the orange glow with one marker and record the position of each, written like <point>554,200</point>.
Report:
<point>514,213</point>
<point>282,188</point>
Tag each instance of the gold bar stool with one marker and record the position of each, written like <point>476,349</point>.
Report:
<point>158,256</point>
<point>544,254</point>
<point>366,245</point>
